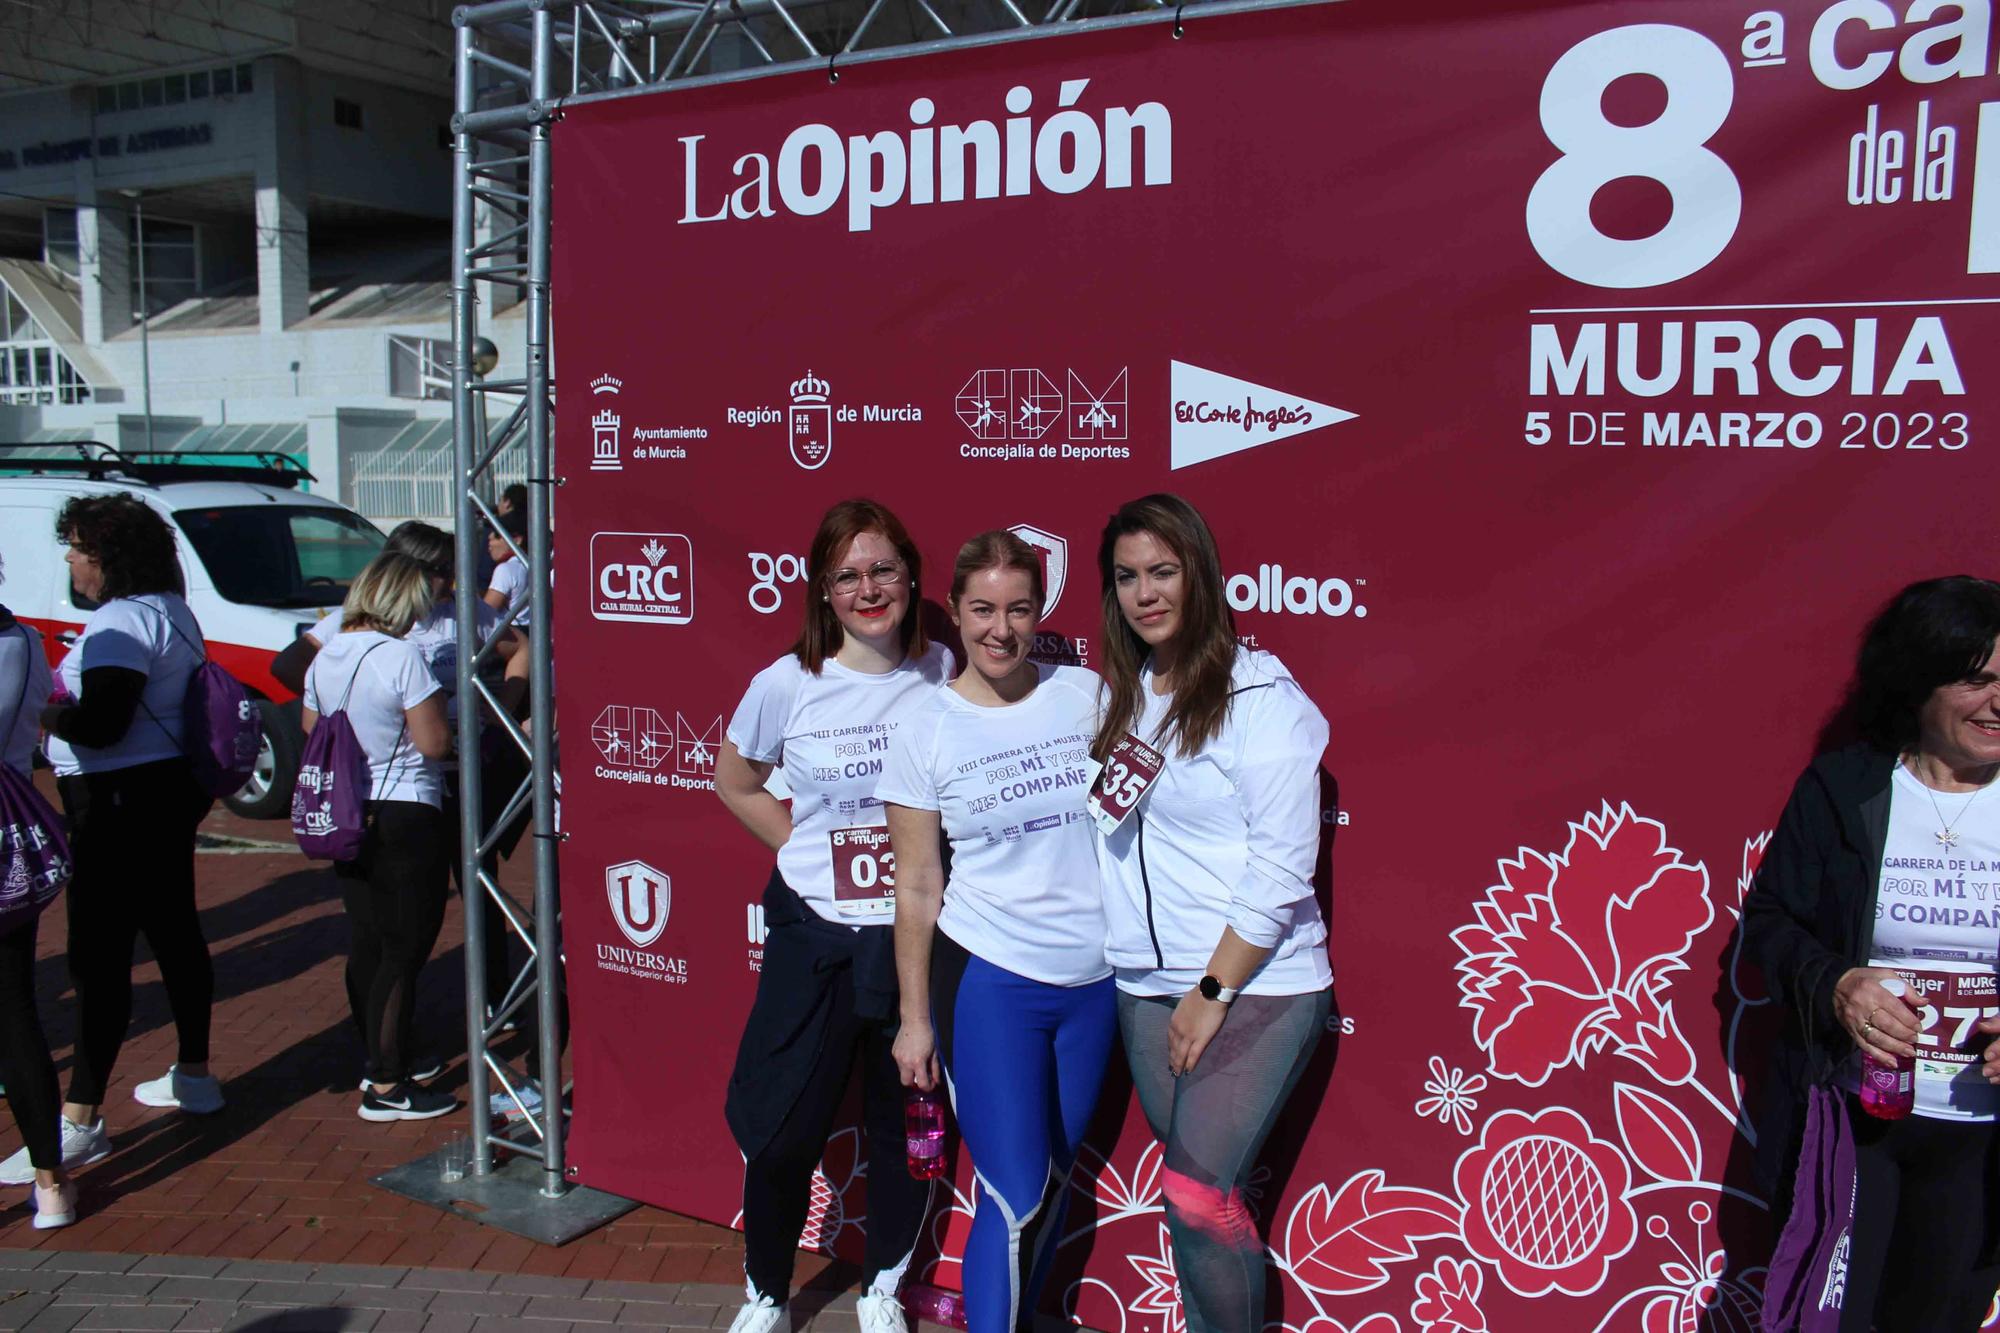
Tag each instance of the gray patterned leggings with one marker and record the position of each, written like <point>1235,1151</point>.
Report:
<point>1213,1122</point>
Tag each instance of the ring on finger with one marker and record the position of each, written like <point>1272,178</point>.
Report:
<point>1867,1026</point>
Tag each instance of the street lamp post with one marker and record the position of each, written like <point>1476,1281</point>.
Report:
<point>145,310</point>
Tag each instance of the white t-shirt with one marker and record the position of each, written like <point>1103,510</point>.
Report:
<point>828,735</point>
<point>1937,910</point>
<point>1009,784</point>
<point>134,633</point>
<point>435,636</point>
<point>511,578</point>
<point>25,682</point>
<point>394,678</point>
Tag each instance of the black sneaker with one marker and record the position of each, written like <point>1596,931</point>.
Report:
<point>423,1069</point>
<point>406,1101</point>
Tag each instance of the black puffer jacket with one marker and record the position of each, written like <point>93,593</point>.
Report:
<point>1809,917</point>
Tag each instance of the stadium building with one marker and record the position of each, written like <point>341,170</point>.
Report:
<point>224,225</point>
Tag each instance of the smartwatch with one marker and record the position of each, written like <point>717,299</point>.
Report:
<point>1211,989</point>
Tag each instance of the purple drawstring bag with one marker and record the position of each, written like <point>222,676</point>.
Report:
<point>222,731</point>
<point>1808,1278</point>
<point>34,854</point>
<point>330,799</point>
<point>221,728</point>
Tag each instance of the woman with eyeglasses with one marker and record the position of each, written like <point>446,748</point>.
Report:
<point>826,997</point>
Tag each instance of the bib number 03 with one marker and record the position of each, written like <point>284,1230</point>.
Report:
<point>1671,149</point>
<point>864,872</point>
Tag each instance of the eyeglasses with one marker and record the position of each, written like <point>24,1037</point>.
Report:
<point>883,574</point>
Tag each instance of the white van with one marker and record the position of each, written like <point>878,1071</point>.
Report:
<point>262,561</point>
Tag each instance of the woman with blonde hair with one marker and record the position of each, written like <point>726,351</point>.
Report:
<point>1005,990</point>
<point>394,890</point>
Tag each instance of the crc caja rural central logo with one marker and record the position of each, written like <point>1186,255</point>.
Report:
<point>643,576</point>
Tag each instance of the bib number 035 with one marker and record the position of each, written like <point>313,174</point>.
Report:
<point>1130,768</point>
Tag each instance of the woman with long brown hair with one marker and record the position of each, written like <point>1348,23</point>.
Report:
<point>823,714</point>
<point>1211,753</point>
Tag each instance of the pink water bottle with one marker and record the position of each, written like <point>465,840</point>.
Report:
<point>934,1304</point>
<point>1889,1092</point>
<point>923,1135</point>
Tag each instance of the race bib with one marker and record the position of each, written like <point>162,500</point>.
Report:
<point>1130,768</point>
<point>1949,1004</point>
<point>864,872</point>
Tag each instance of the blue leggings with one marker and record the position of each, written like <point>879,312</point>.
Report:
<point>1024,1061</point>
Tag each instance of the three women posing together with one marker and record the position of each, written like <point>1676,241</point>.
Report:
<point>1023,905</point>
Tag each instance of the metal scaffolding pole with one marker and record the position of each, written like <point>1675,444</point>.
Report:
<point>514,1180</point>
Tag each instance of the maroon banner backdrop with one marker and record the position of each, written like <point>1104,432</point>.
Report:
<point>1565,383</point>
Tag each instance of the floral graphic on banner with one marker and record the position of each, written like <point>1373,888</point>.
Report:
<point>1573,951</point>
<point>1564,1185</point>
<point>1606,1194</point>
<point>1448,1298</point>
<point>1451,1096</point>
<point>1545,1202</point>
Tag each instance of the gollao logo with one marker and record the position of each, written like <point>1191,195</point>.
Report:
<point>640,897</point>
<point>1054,551</point>
<point>809,422</point>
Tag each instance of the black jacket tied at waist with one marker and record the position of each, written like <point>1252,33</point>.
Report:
<point>807,961</point>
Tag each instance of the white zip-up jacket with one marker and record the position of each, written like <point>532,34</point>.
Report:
<point>1225,837</point>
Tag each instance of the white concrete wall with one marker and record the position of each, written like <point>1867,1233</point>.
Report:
<point>392,162</point>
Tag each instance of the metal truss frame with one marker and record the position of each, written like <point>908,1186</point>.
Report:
<point>518,64</point>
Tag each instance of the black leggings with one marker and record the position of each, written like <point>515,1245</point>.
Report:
<point>777,1181</point>
<point>131,836</point>
<point>1925,1225</point>
<point>394,892</point>
<point>32,1090</point>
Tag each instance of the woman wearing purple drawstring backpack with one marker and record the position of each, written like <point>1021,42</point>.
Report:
<point>32,1091</point>
<point>393,878</point>
<point>129,791</point>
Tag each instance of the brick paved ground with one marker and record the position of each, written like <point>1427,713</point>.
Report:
<point>282,1174</point>
<point>58,1291</point>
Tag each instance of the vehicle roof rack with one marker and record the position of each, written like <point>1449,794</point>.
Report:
<point>155,467</point>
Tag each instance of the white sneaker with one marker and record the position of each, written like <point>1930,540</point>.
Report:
<point>81,1145</point>
<point>55,1206</point>
<point>881,1314</point>
<point>503,1106</point>
<point>759,1316</point>
<point>197,1094</point>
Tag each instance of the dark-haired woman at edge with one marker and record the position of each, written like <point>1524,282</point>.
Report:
<point>1223,981</point>
<point>1842,902</point>
<point>826,997</point>
<point>133,804</point>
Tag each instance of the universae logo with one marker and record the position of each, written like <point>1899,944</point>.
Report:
<point>1054,551</point>
<point>642,576</point>
<point>640,898</point>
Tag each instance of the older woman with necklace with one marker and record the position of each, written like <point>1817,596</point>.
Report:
<point>1876,919</point>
